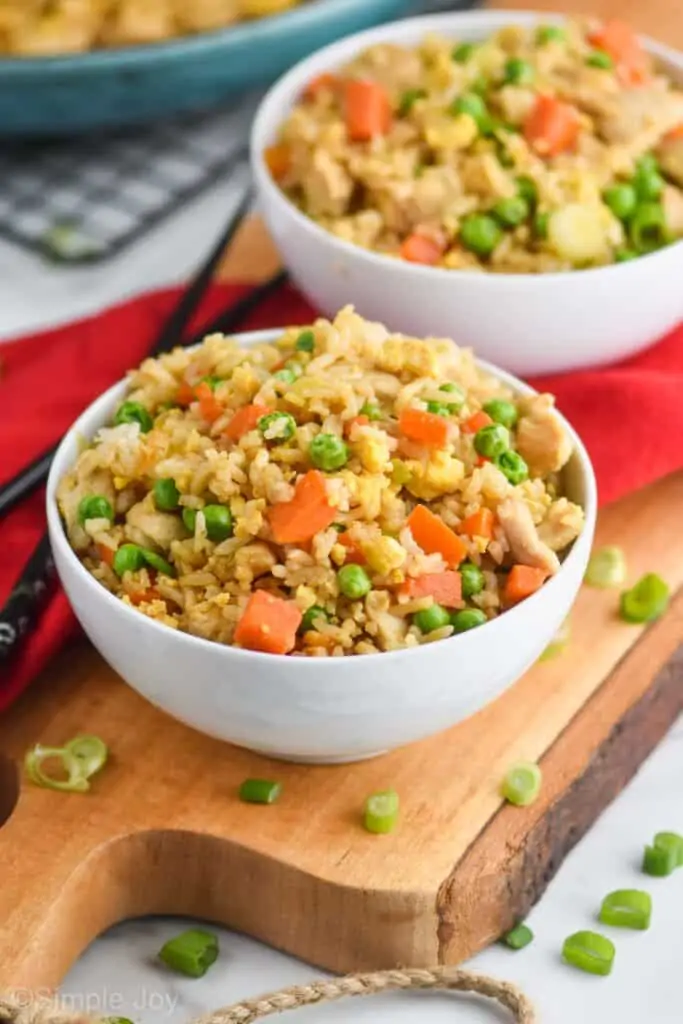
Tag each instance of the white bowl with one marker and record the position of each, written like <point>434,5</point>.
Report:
<point>310,709</point>
<point>527,323</point>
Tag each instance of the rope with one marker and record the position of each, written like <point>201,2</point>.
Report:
<point>44,1011</point>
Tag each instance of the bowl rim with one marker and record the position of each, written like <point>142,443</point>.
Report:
<point>97,410</point>
<point>192,45</point>
<point>265,125</point>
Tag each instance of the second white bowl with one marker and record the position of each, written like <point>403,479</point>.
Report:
<point>529,324</point>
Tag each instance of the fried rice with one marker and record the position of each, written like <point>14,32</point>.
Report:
<point>540,149</point>
<point>340,490</point>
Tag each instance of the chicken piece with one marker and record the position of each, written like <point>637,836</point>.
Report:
<point>483,176</point>
<point>672,199</point>
<point>670,156</point>
<point>254,560</point>
<point>146,526</point>
<point>397,68</point>
<point>76,485</point>
<point>327,186</point>
<point>405,204</point>
<point>541,439</point>
<point>562,524</point>
<point>638,118</point>
<point>526,545</point>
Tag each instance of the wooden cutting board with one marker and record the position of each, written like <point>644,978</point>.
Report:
<point>162,830</point>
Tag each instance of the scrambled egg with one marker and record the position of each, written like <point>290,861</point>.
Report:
<point>440,475</point>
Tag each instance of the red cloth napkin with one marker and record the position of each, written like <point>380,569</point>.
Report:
<point>630,416</point>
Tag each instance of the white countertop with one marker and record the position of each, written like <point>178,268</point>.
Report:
<point>118,975</point>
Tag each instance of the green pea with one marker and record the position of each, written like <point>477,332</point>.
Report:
<point>354,582</point>
<point>646,163</point>
<point>621,199</point>
<point>157,562</point>
<point>287,375</point>
<point>189,518</point>
<point>277,426</point>
<point>95,506</point>
<point>600,59</point>
<point>438,408</point>
<point>550,34</point>
<point>468,618</point>
<point>219,524</point>
<point>647,228</point>
<point>512,466</point>
<point>647,181</point>
<point>528,190</point>
<point>480,233</point>
<point>456,396</point>
<point>480,85</point>
<point>502,411</point>
<point>133,412</point>
<point>431,618</point>
<point>371,410</point>
<point>472,579</point>
<point>462,53</point>
<point>511,212</point>
<point>492,441</point>
<point>311,616</point>
<point>328,452</point>
<point>624,255</point>
<point>541,225</point>
<point>408,99</point>
<point>519,72</point>
<point>473,104</point>
<point>305,342</point>
<point>128,558</point>
<point>166,495</point>
<point>504,158</point>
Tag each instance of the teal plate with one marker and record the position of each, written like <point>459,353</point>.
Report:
<point>59,96</point>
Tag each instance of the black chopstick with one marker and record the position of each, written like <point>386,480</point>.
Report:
<point>35,473</point>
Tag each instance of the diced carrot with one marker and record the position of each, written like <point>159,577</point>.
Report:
<point>143,596</point>
<point>357,421</point>
<point>476,422</point>
<point>420,249</point>
<point>618,39</point>
<point>479,524</point>
<point>309,511</point>
<point>552,127</point>
<point>426,428</point>
<point>354,552</point>
<point>522,581</point>
<point>482,460</point>
<point>244,420</point>
<point>106,554</point>
<point>444,587</point>
<point>434,537</point>
<point>185,394</point>
<point>367,110</point>
<point>268,624</point>
<point>209,406</point>
<point>324,81</point>
<point>278,159</point>
<point>675,133</point>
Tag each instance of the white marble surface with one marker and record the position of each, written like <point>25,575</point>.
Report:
<point>118,975</point>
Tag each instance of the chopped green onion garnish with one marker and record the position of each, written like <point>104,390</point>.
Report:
<point>627,908</point>
<point>659,861</point>
<point>80,758</point>
<point>192,952</point>
<point>91,753</point>
<point>305,342</point>
<point>606,568</point>
<point>157,562</point>
<point>381,812</point>
<point>589,952</point>
<point>259,791</point>
<point>671,840</point>
<point>519,937</point>
<point>522,784</point>
<point>647,601</point>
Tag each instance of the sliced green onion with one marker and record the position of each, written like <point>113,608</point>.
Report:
<point>381,812</point>
<point>191,953</point>
<point>314,614</point>
<point>559,642</point>
<point>647,601</point>
<point>606,568</point>
<point>627,908</point>
<point>659,861</point>
<point>260,791</point>
<point>519,937</point>
<point>91,753</point>
<point>671,840</point>
<point>589,952</point>
<point>522,784</point>
<point>305,342</point>
<point>157,562</point>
